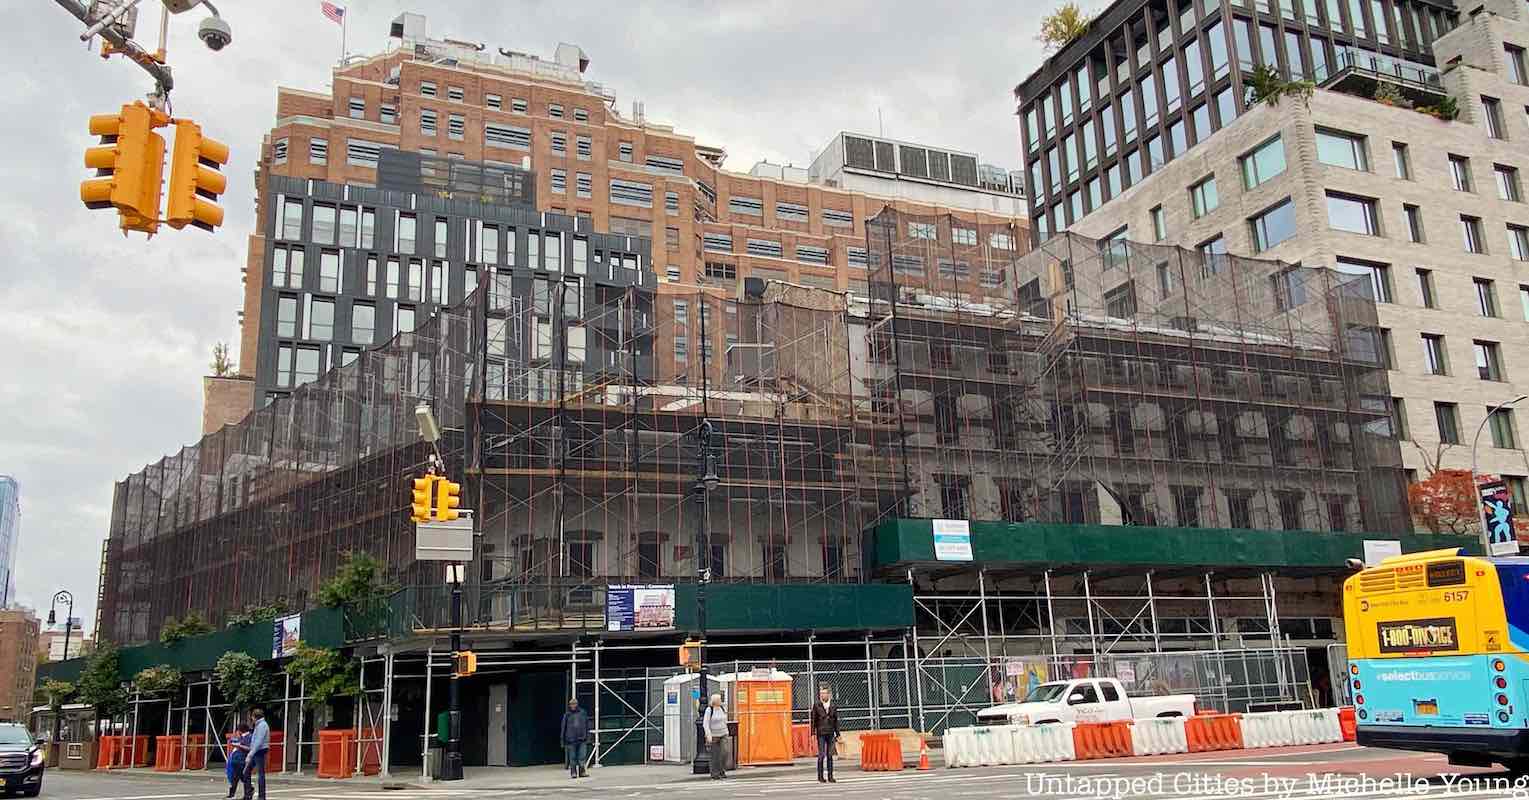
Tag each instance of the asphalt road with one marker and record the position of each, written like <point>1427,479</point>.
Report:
<point>1285,774</point>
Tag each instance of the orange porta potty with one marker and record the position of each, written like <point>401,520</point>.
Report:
<point>1347,723</point>
<point>1101,740</point>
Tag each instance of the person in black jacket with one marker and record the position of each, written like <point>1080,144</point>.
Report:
<point>575,733</point>
<point>825,727</point>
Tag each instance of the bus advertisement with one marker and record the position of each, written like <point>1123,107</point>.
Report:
<point>1438,646</point>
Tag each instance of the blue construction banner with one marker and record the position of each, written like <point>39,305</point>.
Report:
<point>1497,511</point>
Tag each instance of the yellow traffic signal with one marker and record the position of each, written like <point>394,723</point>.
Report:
<point>467,663</point>
<point>448,497</point>
<point>129,165</point>
<point>422,491</point>
<point>195,179</point>
<point>690,653</point>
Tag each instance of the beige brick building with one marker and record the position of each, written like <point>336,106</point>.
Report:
<point>1432,211</point>
<point>18,663</point>
<point>709,227</point>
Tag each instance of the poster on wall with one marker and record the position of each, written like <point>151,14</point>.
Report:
<point>1497,509</point>
<point>286,634</point>
<point>952,540</point>
<point>639,608</point>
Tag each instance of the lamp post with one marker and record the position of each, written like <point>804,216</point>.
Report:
<point>1486,531</point>
<point>61,596</point>
<point>451,761</point>
<point>706,481</point>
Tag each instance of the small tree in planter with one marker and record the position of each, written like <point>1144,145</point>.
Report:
<point>100,685</point>
<point>190,625</point>
<point>242,680</point>
<point>324,674</point>
<point>258,615</point>
<point>159,681</point>
<point>1266,85</point>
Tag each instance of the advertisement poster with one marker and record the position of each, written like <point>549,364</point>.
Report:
<point>952,540</point>
<point>1497,508</point>
<point>286,633</point>
<point>639,608</point>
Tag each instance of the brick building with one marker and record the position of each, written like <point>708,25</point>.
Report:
<point>18,663</point>
<point>616,173</point>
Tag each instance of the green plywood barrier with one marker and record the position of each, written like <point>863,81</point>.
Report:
<point>765,607</point>
<point>910,541</point>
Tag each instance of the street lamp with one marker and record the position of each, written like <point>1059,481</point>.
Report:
<point>61,596</point>
<point>706,482</point>
<point>451,762</point>
<point>1486,531</point>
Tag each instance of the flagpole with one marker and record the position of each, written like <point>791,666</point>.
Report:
<point>344,24</point>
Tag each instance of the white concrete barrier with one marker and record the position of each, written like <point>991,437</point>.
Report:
<point>995,745</point>
<point>1318,726</point>
<point>1037,744</point>
<point>1153,737</point>
<point>958,744</point>
<point>1267,729</point>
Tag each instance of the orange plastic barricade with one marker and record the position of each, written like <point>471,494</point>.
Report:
<point>803,743</point>
<point>196,751</point>
<point>337,753</point>
<point>276,757</point>
<point>1102,740</point>
<point>167,754</point>
<point>371,751</point>
<point>1208,732</point>
<point>880,752</point>
<point>140,751</point>
<point>106,751</point>
<point>1347,723</point>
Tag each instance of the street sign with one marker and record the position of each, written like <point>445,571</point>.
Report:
<point>444,541</point>
<point>1497,513</point>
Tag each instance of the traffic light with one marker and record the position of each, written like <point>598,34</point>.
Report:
<point>467,663</point>
<point>195,179</point>
<point>422,490</point>
<point>690,655</point>
<point>448,498</point>
<point>129,164</point>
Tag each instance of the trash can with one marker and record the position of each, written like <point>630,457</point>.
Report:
<point>433,760</point>
<point>731,746</point>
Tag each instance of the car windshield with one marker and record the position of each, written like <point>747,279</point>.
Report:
<point>1046,693</point>
<point>13,734</point>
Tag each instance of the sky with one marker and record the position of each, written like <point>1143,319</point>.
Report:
<point>104,339</point>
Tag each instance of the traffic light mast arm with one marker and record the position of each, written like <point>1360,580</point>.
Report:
<point>143,58</point>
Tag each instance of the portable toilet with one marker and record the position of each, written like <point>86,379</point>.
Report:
<point>760,702</point>
<point>681,705</point>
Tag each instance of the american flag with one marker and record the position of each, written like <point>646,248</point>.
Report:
<point>335,13</point>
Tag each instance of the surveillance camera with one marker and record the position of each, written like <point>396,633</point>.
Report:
<point>215,32</point>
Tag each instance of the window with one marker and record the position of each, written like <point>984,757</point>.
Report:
<point>584,185</point>
<point>358,108</point>
<point>1000,241</point>
<point>320,319</point>
<point>1379,275</point>
<point>1399,419</point>
<point>455,94</point>
<point>292,219</point>
<point>306,368</point>
<point>1265,162</point>
<point>672,166</point>
<point>1486,297</point>
<point>440,238</point>
<point>405,234</point>
<point>922,230</point>
<point>1414,222</point>
<point>1186,505</point>
<point>1239,506</point>
<point>1159,224</point>
<point>1384,349</point>
<point>372,276</point>
<point>518,105</point>
<point>836,218</point>
<point>559,142</point>
<point>965,236</point>
<point>555,110</point>
<point>1518,242</point>
<point>764,247</point>
<point>717,242</point>
<point>1488,360</point>
<point>359,153</point>
<point>1507,183</point>
<point>1504,435</point>
<point>811,255</point>
<point>1203,197</point>
<point>363,323</point>
<point>624,151</point>
<point>559,181</point>
<point>330,279</point>
<point>347,227</point>
<point>506,136</point>
<point>583,148</point>
<point>286,316</point>
<point>1425,288</point>
<point>681,349</point>
<point>648,556</point>
<point>1523,301</point>
<point>427,88</point>
<point>493,101</point>
<point>580,114</point>
<point>791,212</point>
<point>1402,159</point>
<point>1339,149</point>
<point>1471,234</point>
<point>279,151</point>
<point>393,279</point>
<point>1447,416</point>
<point>1516,67</point>
<point>318,150</point>
<point>1491,114</point>
<point>427,122</point>
<point>324,218</point>
<point>1273,226</point>
<point>416,279</point>
<point>456,127</point>
<point>1460,173</point>
<point>631,193</point>
<point>1435,357</point>
<point>1352,214</point>
<point>488,245</point>
<point>405,319</point>
<point>1291,503</point>
<point>1212,255</point>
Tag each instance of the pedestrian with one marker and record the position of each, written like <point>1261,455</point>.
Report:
<point>714,722</point>
<point>575,735</point>
<point>825,727</point>
<point>260,746</point>
<point>238,752</point>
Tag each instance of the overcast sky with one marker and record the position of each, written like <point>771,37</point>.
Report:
<point>104,340</point>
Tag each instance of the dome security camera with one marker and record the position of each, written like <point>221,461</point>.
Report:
<point>215,33</point>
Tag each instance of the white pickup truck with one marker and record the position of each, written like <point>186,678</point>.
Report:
<point>1085,700</point>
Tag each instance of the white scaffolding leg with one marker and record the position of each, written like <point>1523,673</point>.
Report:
<point>387,712</point>
<point>424,742</point>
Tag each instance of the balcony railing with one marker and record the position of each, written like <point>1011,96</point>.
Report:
<point>1358,72</point>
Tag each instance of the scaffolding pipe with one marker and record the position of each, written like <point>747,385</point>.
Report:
<point>907,682</point>
<point>185,725</point>
<point>360,712</point>
<point>1157,642</point>
<point>870,683</point>
<point>1088,604</point>
<point>596,754</point>
<point>812,673</point>
<point>918,681</point>
<point>1051,617</point>
<point>387,712</point>
<point>424,755</point>
<point>987,647</point>
<point>302,688</point>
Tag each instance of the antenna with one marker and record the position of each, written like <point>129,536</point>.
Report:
<point>880,129</point>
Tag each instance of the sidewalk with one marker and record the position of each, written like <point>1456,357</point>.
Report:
<point>508,778</point>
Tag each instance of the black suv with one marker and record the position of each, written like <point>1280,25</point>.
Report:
<point>21,761</point>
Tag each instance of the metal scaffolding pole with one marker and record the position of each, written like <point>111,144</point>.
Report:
<point>1051,618</point>
<point>424,742</point>
<point>812,671</point>
<point>870,683</point>
<point>987,647</point>
<point>1088,603</point>
<point>907,681</point>
<point>185,725</point>
<point>360,713</point>
<point>596,755</point>
<point>387,711</point>
<point>1003,629</point>
<point>1157,641</point>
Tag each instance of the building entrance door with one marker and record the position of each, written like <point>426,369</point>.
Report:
<point>499,725</point>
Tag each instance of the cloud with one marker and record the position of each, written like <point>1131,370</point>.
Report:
<point>105,338</point>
